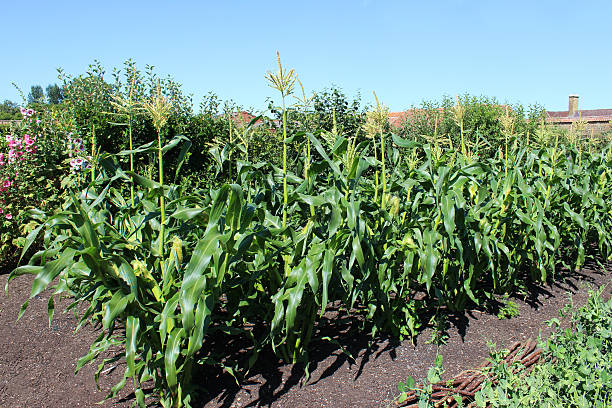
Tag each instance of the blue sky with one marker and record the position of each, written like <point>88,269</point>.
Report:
<point>407,51</point>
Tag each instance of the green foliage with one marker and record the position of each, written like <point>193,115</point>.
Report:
<point>576,370</point>
<point>445,230</point>
<point>55,94</point>
<point>269,244</point>
<point>434,375</point>
<point>439,332</point>
<point>36,94</point>
<point>481,122</point>
<point>508,310</point>
<point>33,178</point>
<point>332,102</point>
<point>9,111</point>
<point>209,161</point>
<point>88,99</point>
<point>324,111</point>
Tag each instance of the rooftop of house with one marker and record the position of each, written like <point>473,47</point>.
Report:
<point>573,114</point>
<point>243,117</point>
<point>587,115</point>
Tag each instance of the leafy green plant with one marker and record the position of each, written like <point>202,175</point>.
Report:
<point>424,393</point>
<point>34,169</point>
<point>439,331</point>
<point>576,368</point>
<point>479,117</point>
<point>508,310</point>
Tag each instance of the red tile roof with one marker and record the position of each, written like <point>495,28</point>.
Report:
<point>243,118</point>
<point>397,118</point>
<point>589,116</point>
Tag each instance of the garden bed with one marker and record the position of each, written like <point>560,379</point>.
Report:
<point>38,361</point>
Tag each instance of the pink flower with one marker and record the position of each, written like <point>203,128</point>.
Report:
<point>7,183</point>
<point>13,142</point>
<point>30,112</point>
<point>28,140</point>
<point>23,110</point>
<point>8,216</point>
<point>1,210</point>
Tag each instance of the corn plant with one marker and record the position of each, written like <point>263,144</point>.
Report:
<point>365,224</point>
<point>126,110</point>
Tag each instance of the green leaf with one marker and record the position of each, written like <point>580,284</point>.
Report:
<point>132,326</point>
<point>202,255</point>
<point>30,238</point>
<point>334,221</point>
<point>317,145</point>
<point>403,142</point>
<point>171,354</point>
<point>186,213</point>
<point>190,295</point>
<point>234,207</point>
<point>202,320</point>
<point>50,271</point>
<point>219,204</point>
<point>326,273</point>
<point>50,309</point>
<point>114,307</point>
<point>167,316</point>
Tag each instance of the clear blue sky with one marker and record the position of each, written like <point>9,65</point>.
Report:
<point>407,51</point>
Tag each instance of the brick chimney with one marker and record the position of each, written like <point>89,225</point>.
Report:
<point>573,106</point>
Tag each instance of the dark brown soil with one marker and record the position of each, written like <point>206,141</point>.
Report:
<point>37,361</point>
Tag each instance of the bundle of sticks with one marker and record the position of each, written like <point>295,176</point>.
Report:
<point>467,383</point>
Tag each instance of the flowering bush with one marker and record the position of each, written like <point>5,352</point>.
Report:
<point>37,162</point>
<point>76,150</point>
<point>21,153</point>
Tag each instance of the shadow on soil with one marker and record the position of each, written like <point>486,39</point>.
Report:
<point>271,378</point>
<point>347,342</point>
